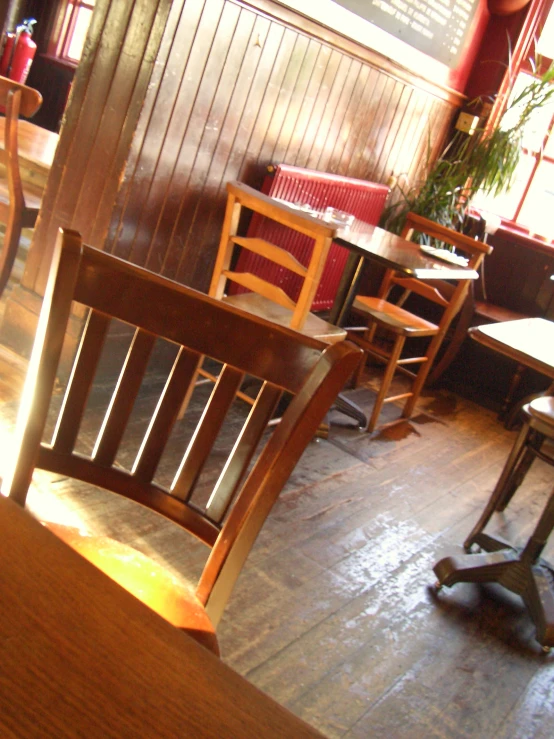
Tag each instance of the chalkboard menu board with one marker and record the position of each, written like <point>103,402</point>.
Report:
<point>436,27</point>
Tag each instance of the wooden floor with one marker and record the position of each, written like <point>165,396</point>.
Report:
<point>335,615</point>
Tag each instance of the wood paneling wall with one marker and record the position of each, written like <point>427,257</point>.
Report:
<point>175,98</point>
<point>236,89</point>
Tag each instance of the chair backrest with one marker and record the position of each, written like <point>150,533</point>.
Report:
<point>15,100</point>
<point>362,198</point>
<point>241,197</point>
<point>226,514</point>
<point>450,295</point>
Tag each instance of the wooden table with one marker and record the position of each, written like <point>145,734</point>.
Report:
<point>389,250</point>
<point>37,147</point>
<point>530,341</point>
<point>80,656</point>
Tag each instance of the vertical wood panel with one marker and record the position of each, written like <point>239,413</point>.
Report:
<point>299,72</point>
<point>347,130</point>
<point>228,100</point>
<point>308,110</point>
<point>161,105</point>
<point>322,128</point>
<point>193,94</point>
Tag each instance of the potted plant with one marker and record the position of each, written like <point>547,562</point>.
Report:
<point>483,162</point>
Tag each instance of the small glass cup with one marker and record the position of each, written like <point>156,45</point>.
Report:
<point>338,217</point>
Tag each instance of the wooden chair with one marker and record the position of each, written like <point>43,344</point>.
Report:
<point>389,324</point>
<point>265,299</point>
<point>19,203</point>
<point>261,297</point>
<point>477,310</point>
<point>521,570</point>
<point>221,502</point>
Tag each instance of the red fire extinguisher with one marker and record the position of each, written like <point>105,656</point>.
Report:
<point>19,52</point>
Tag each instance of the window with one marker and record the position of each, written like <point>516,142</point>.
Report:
<point>73,25</point>
<point>530,202</point>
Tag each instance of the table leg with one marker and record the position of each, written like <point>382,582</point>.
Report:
<point>344,298</point>
<point>347,289</point>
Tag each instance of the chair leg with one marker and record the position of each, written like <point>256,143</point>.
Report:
<point>387,379</point>
<point>9,250</point>
<point>458,338</point>
<point>422,374</point>
<point>366,336</point>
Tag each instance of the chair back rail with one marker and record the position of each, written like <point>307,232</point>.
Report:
<point>450,296</point>
<point>228,514</point>
<point>453,295</point>
<point>242,196</point>
<point>18,207</point>
<point>361,198</point>
<point>30,99</point>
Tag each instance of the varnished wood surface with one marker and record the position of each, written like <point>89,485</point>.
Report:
<point>37,146</point>
<point>389,250</point>
<point>335,616</point>
<point>81,657</point>
<point>517,274</point>
<point>225,509</point>
<point>99,124</point>
<point>530,341</point>
<point>393,251</point>
<point>264,295</point>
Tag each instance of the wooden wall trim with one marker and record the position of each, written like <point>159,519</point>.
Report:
<point>353,48</point>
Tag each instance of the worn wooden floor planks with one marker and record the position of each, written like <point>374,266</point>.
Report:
<point>335,615</point>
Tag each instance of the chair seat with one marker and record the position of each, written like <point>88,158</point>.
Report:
<point>146,580</point>
<point>396,319</point>
<point>260,306</point>
<point>543,409</point>
<point>495,313</point>
<point>32,195</point>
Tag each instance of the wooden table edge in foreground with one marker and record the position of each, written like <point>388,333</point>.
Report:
<point>81,656</point>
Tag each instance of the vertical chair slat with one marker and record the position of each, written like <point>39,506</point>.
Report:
<point>181,376</point>
<point>123,398</point>
<point>206,432</point>
<point>80,382</point>
<point>242,452</point>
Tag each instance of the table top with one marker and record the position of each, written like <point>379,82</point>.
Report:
<point>37,145</point>
<point>81,656</point>
<point>393,251</point>
<point>529,341</point>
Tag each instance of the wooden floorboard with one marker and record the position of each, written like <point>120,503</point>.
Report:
<point>335,614</point>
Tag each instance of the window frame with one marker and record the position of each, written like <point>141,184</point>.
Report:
<point>520,63</point>
<point>64,28</point>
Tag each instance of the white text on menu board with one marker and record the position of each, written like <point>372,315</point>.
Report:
<point>422,16</point>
